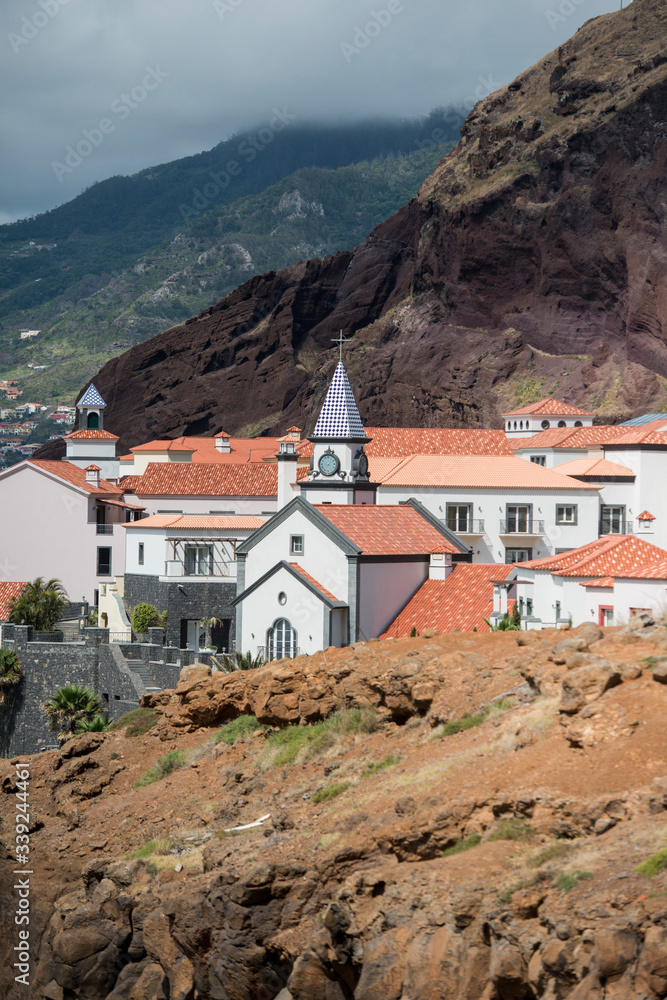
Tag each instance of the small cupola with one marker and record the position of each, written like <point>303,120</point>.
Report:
<point>92,475</point>
<point>90,409</point>
<point>223,443</point>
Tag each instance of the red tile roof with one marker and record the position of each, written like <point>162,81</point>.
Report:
<point>647,571</point>
<point>646,515</point>
<point>462,601</point>
<point>593,467</point>
<point>606,581</point>
<point>73,474</point>
<point>641,435</point>
<point>7,592</point>
<point>400,442</point>
<point>186,479</point>
<point>613,555</point>
<point>313,582</point>
<point>206,522</point>
<point>478,471</point>
<point>203,450</point>
<point>384,530</point>
<point>570,437</point>
<point>129,483</point>
<point>90,432</point>
<point>548,407</point>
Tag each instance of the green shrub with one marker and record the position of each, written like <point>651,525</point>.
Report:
<point>566,882</point>
<point>656,863</point>
<point>146,616</point>
<point>381,765</point>
<point>237,729</point>
<point>145,851</point>
<point>512,829</point>
<point>549,853</point>
<point>462,845</point>
<point>135,723</point>
<point>164,766</point>
<point>98,724</point>
<point>330,792</point>
<point>11,670</point>
<point>413,632</point>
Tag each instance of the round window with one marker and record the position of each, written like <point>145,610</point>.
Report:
<point>282,597</point>
<point>545,424</point>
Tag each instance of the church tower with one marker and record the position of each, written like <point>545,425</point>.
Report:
<point>90,443</point>
<point>90,410</point>
<point>339,468</point>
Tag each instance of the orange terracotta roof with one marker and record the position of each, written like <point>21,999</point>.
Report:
<point>656,570</point>
<point>479,471</point>
<point>203,451</point>
<point>593,467</point>
<point>190,522</point>
<point>606,581</point>
<point>186,479</point>
<point>7,592</point>
<point>400,442</point>
<point>92,468</point>
<point>386,529</point>
<point>128,484</point>
<point>462,601</point>
<point>313,582</point>
<point>547,407</point>
<point>127,458</point>
<point>645,516</point>
<point>613,555</point>
<point>90,432</point>
<point>641,435</point>
<point>73,474</point>
<point>570,437</point>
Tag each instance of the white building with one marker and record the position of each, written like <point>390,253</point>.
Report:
<point>543,415</point>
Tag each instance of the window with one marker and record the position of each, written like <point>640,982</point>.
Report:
<point>545,425</point>
<point>282,597</point>
<point>281,640</point>
<point>519,519</point>
<point>561,423</point>
<point>539,459</point>
<point>296,545</point>
<point>578,423</point>
<point>104,561</point>
<point>198,559</point>
<point>566,513</point>
<point>458,516</point>
<point>612,520</point>
<point>140,557</point>
<point>222,513</point>
<point>518,555</point>
<point>606,615</point>
<point>557,610</point>
<point>93,421</point>
<point>170,512</point>
<point>529,607</point>
<point>521,606</point>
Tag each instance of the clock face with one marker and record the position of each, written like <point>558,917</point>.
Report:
<point>328,464</point>
<point>363,465</point>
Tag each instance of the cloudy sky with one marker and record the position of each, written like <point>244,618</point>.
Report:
<point>138,82</point>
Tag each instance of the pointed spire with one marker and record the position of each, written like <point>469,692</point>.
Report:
<point>91,397</point>
<point>339,417</point>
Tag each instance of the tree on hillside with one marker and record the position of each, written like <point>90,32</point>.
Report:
<point>70,706</point>
<point>40,604</point>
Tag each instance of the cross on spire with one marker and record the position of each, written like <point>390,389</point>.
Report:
<point>340,340</point>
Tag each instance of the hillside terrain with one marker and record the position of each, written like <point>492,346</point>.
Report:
<point>531,263</point>
<point>124,260</point>
<point>470,817</point>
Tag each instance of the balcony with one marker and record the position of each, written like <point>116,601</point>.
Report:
<point>615,527</point>
<point>104,529</point>
<point>177,568</point>
<point>469,527</point>
<point>522,527</point>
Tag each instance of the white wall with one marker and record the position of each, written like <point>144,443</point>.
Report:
<point>525,425</point>
<point>650,468</point>
<point>555,456</point>
<point>45,531</point>
<point>583,604</point>
<point>303,610</point>
<point>206,505</point>
<point>384,588</point>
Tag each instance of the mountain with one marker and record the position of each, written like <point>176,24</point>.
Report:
<point>531,262</point>
<point>75,272</point>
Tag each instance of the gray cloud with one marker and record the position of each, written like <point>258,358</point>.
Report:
<point>221,65</point>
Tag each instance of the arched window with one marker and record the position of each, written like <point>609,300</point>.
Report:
<point>93,421</point>
<point>521,425</point>
<point>561,423</point>
<point>578,423</point>
<point>281,640</point>
<point>515,425</point>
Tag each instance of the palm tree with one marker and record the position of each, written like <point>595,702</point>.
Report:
<point>72,705</point>
<point>97,725</point>
<point>208,624</point>
<point>243,661</point>
<point>40,604</point>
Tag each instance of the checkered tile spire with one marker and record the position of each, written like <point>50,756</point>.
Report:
<point>91,397</point>
<point>339,417</point>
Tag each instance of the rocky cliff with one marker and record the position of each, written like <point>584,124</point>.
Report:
<point>470,817</point>
<point>531,263</point>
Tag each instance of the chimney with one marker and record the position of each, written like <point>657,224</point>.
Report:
<point>92,475</point>
<point>222,443</point>
<point>287,459</point>
<point>440,566</point>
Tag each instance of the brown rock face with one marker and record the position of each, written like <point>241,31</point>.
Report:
<point>532,262</point>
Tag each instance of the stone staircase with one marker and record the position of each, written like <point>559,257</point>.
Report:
<point>138,667</point>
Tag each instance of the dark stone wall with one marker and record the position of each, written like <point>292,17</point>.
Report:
<point>185,600</point>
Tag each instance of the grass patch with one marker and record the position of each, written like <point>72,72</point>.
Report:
<point>145,851</point>
<point>330,792</point>
<point>471,721</point>
<point>653,865</point>
<point>567,881</point>
<point>551,852</point>
<point>135,723</point>
<point>512,829</point>
<point>292,742</point>
<point>237,729</point>
<point>164,766</point>
<point>462,845</point>
<point>381,765</point>
<point>652,661</point>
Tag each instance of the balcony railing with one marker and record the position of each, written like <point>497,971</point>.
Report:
<point>105,529</point>
<point>178,568</point>
<point>290,655</point>
<point>616,528</point>
<point>521,526</point>
<point>469,527</point>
